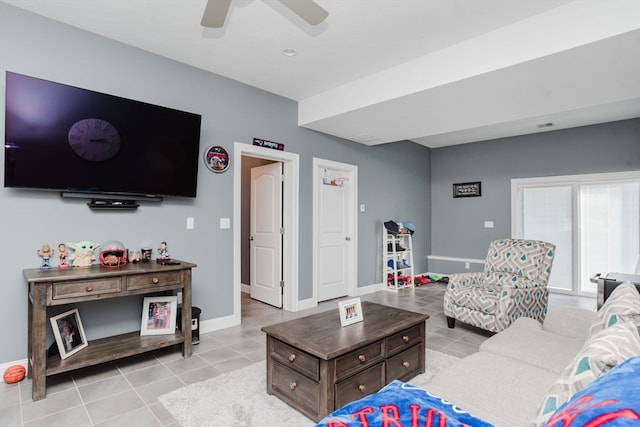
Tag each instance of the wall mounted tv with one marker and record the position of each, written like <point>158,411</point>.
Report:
<point>73,140</point>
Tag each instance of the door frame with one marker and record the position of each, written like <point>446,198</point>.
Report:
<point>290,221</point>
<point>351,172</point>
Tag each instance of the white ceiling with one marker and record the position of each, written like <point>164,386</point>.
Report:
<point>437,72</point>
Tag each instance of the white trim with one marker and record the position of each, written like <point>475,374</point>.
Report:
<point>291,162</point>
<point>352,173</point>
<point>454,259</point>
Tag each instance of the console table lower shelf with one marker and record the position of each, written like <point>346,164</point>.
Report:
<point>111,348</point>
<point>316,366</point>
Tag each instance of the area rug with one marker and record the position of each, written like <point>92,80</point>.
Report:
<point>239,398</point>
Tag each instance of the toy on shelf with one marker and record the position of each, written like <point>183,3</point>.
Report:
<point>62,256</point>
<point>45,252</point>
<point>83,253</point>
<point>113,254</point>
<point>163,254</point>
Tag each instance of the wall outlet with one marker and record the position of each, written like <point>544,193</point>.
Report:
<point>467,265</point>
<point>189,223</point>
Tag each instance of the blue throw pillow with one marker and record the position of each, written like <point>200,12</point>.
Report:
<point>611,400</point>
<point>401,404</point>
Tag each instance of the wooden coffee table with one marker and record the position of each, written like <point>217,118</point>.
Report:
<point>317,366</point>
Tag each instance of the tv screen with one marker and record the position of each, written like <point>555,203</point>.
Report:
<point>60,137</point>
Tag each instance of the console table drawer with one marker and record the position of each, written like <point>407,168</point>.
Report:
<point>405,365</point>
<point>404,339</point>
<point>296,388</point>
<point>152,280</point>
<point>296,359</point>
<point>78,289</point>
<point>352,362</point>
<point>367,382</point>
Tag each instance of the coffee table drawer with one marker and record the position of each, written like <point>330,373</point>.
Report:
<point>404,339</point>
<point>296,359</point>
<point>404,365</point>
<point>359,359</point>
<point>295,388</point>
<point>367,382</point>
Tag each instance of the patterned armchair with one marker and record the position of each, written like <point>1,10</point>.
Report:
<point>513,284</point>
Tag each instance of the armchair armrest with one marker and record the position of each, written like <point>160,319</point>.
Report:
<point>465,279</point>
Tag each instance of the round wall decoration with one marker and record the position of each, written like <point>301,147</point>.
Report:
<point>216,158</point>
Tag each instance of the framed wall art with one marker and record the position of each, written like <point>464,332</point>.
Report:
<point>216,158</point>
<point>350,311</point>
<point>69,333</point>
<point>467,189</point>
<point>159,315</point>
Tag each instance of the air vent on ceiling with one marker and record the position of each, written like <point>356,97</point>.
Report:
<point>544,125</point>
<point>364,138</point>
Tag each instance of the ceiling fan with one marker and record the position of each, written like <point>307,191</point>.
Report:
<point>216,12</point>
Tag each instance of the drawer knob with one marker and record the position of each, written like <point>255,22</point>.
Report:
<point>89,288</point>
<point>292,357</point>
<point>362,388</point>
<point>362,358</point>
<point>292,386</point>
<point>155,280</point>
<point>405,338</point>
<point>405,364</point>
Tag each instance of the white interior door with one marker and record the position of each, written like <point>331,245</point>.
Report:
<point>265,234</point>
<point>335,240</point>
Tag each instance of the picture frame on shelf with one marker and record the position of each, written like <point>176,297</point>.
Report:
<point>159,315</point>
<point>69,333</point>
<point>350,311</point>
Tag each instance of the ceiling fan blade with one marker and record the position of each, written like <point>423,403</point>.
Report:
<point>307,10</point>
<point>215,13</point>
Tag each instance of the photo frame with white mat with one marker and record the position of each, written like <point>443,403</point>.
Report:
<point>350,311</point>
<point>69,333</point>
<point>159,315</point>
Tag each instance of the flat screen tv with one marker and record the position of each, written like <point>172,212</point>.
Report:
<point>73,140</point>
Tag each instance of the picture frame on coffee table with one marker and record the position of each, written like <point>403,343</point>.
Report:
<point>350,311</point>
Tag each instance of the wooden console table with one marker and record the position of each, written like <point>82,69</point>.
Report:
<point>55,286</point>
<point>317,366</point>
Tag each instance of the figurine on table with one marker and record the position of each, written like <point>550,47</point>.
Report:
<point>62,255</point>
<point>163,253</point>
<point>45,253</point>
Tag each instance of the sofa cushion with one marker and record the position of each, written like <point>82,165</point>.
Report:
<point>601,352</point>
<point>570,322</point>
<point>612,399</point>
<point>501,390</point>
<point>527,341</point>
<point>622,305</point>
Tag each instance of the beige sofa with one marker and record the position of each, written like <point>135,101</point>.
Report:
<point>509,380</point>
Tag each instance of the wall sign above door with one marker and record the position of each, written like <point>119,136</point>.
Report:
<point>467,189</point>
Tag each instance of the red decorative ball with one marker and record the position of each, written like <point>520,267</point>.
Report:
<point>14,374</point>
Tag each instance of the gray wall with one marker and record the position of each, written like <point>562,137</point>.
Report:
<point>394,179</point>
<point>457,224</point>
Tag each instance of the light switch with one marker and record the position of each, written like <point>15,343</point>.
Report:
<point>225,222</point>
<point>362,207</point>
<point>189,223</point>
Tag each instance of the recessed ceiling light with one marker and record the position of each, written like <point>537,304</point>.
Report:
<point>289,52</point>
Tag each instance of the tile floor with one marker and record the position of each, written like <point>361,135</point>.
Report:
<point>123,393</point>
